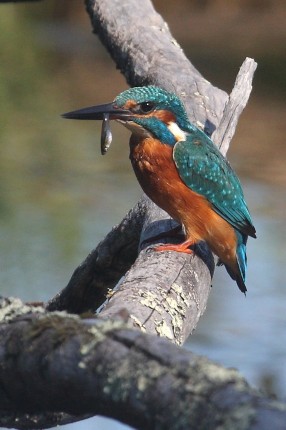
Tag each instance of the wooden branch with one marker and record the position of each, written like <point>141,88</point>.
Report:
<point>236,103</point>
<point>164,293</point>
<point>48,359</point>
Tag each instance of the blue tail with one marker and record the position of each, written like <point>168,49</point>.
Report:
<point>241,259</point>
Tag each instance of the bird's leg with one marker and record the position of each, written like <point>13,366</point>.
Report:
<point>181,247</point>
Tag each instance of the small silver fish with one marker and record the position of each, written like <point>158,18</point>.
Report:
<point>106,135</point>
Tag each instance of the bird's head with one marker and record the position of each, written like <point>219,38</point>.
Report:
<point>144,110</point>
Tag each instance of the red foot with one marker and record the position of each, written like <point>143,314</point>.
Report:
<point>181,247</point>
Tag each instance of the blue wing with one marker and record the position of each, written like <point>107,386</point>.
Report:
<point>203,168</point>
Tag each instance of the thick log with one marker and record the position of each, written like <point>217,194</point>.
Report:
<point>54,362</point>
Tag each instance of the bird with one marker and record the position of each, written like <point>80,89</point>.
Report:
<point>182,171</point>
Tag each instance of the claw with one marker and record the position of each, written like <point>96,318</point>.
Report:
<point>181,247</point>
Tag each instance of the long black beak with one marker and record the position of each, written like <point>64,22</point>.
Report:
<point>97,112</point>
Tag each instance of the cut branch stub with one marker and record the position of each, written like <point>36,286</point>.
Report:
<point>237,101</point>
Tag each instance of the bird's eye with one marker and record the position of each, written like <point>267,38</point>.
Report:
<point>146,107</point>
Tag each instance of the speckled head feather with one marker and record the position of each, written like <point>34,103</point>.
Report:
<point>162,100</point>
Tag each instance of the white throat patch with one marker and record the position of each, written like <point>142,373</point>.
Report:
<point>135,128</point>
<point>176,131</point>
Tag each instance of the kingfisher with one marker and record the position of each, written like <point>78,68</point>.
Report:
<point>183,172</point>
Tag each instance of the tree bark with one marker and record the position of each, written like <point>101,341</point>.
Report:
<point>55,362</point>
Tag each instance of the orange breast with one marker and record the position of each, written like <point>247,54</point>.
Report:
<point>158,176</point>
